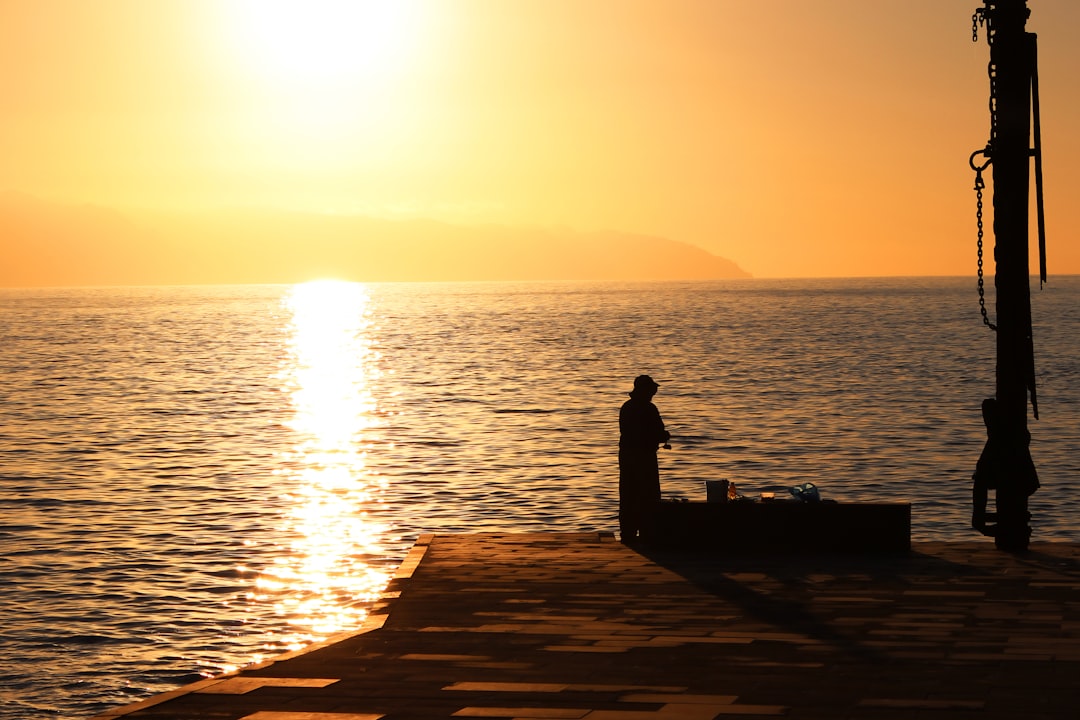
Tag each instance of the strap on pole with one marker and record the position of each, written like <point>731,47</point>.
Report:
<point>1037,152</point>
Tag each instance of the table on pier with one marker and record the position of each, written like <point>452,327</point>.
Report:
<point>783,526</point>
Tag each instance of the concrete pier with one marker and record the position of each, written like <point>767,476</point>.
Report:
<point>581,627</point>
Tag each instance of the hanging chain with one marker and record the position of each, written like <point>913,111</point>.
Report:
<point>979,18</point>
<point>979,185</point>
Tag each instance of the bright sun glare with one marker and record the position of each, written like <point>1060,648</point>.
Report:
<point>325,41</point>
<point>322,583</point>
<point>323,80</point>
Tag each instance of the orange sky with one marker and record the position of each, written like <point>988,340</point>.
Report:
<point>796,138</point>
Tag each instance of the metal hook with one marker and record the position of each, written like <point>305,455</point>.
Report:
<point>985,152</point>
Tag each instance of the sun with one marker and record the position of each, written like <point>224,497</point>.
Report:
<point>325,42</point>
<point>317,85</point>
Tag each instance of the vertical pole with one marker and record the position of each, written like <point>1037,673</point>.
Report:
<point>1011,58</point>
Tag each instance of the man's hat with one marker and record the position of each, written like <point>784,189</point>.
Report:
<point>644,382</point>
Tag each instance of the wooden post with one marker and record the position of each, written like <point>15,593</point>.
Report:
<point>1011,59</point>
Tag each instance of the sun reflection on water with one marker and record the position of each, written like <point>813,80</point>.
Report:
<point>324,581</point>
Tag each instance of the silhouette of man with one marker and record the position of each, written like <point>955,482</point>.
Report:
<point>641,431</point>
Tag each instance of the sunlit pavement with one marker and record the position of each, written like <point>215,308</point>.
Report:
<point>579,626</point>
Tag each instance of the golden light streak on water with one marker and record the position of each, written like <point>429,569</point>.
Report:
<point>322,584</point>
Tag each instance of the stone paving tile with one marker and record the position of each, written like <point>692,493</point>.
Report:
<point>272,715</point>
<point>242,685</point>
<point>579,627</point>
<point>523,712</point>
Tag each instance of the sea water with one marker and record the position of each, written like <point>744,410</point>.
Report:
<point>196,478</point>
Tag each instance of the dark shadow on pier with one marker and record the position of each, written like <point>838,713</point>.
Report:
<point>834,598</point>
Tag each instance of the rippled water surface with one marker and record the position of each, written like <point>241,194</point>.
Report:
<point>196,478</point>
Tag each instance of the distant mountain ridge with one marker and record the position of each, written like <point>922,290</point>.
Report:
<point>53,244</point>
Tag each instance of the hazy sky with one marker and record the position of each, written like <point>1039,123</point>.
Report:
<point>796,138</point>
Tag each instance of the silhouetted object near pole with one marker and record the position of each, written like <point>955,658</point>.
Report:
<point>1005,458</point>
<point>1005,464</point>
<point>641,431</point>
